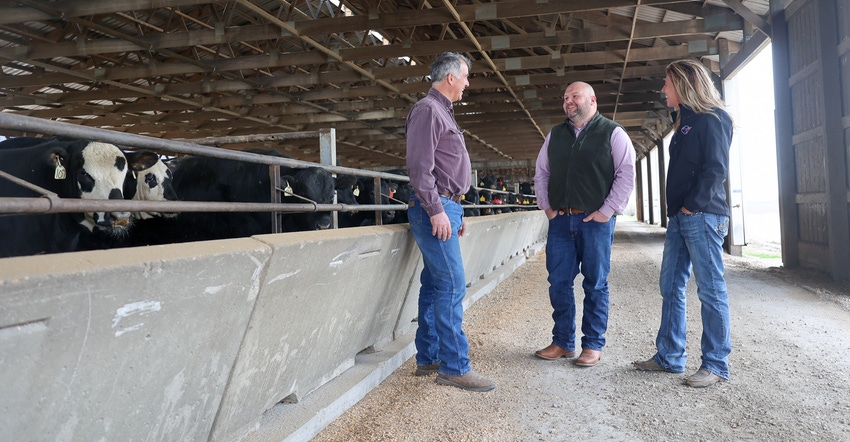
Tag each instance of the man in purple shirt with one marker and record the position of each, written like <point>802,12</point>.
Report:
<point>584,177</point>
<point>440,173</point>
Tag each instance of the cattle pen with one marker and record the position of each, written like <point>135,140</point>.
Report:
<point>327,147</point>
<point>201,340</point>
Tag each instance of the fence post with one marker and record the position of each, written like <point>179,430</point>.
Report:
<point>327,156</point>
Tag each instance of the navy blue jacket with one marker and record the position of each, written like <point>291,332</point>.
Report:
<point>699,163</point>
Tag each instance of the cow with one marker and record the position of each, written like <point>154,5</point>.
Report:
<point>347,189</point>
<point>471,198</point>
<point>498,199</point>
<point>199,178</point>
<point>492,182</point>
<point>485,197</point>
<point>70,169</point>
<point>526,189</point>
<point>148,179</point>
<point>403,193</point>
<point>367,196</point>
<point>312,184</point>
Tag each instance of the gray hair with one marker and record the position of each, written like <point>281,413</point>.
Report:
<point>448,63</point>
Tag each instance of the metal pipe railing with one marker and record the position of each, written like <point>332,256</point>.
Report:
<point>46,204</point>
<point>25,123</point>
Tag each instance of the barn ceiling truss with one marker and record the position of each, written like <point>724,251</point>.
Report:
<point>190,69</point>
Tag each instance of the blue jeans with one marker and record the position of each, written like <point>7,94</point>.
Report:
<point>694,241</point>
<point>439,337</point>
<point>572,246</point>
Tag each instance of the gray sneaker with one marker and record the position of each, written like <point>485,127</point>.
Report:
<point>425,370</point>
<point>471,381</point>
<point>650,365</point>
<point>703,378</point>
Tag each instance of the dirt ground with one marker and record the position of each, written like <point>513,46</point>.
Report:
<point>790,364</point>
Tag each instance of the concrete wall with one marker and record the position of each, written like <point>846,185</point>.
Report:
<point>197,341</point>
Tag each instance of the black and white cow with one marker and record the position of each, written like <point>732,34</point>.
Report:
<point>148,179</point>
<point>71,169</point>
<point>198,178</point>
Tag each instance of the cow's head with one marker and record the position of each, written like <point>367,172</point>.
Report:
<point>346,189</point>
<point>150,180</point>
<point>367,196</point>
<point>97,172</point>
<point>316,185</point>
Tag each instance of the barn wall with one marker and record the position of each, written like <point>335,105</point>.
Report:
<point>197,341</point>
<point>811,50</point>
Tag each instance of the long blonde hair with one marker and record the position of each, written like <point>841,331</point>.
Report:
<point>693,85</point>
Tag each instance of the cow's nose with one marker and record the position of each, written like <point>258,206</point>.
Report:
<point>114,219</point>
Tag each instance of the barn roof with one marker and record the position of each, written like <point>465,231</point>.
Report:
<point>189,69</point>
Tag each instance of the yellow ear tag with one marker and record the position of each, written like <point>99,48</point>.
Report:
<point>287,191</point>
<point>482,199</point>
<point>356,191</point>
<point>60,172</point>
<point>463,197</point>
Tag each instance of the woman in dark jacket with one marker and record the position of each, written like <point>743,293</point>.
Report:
<point>698,221</point>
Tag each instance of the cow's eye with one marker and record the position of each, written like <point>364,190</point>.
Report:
<point>85,181</point>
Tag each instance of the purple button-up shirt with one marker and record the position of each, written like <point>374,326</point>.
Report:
<point>437,160</point>
<point>623,155</point>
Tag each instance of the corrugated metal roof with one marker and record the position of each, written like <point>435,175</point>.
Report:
<point>357,66</point>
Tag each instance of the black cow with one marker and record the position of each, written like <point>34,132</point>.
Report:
<point>526,189</point>
<point>492,182</point>
<point>471,197</point>
<point>312,184</point>
<point>71,169</point>
<point>485,197</point>
<point>403,193</point>
<point>365,194</point>
<point>498,199</point>
<point>198,178</point>
<point>19,142</point>
<point>347,189</point>
<point>513,199</point>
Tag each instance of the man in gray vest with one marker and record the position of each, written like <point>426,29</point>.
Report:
<point>584,177</point>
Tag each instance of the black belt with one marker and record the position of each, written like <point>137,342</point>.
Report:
<point>572,211</point>
<point>455,198</point>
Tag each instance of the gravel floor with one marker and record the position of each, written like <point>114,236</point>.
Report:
<point>790,365</point>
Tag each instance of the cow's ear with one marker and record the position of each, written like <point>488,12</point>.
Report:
<point>393,187</point>
<point>51,154</point>
<point>56,155</point>
<point>141,160</point>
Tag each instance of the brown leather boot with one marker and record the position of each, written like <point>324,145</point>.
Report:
<point>471,381</point>
<point>553,352</point>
